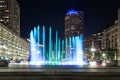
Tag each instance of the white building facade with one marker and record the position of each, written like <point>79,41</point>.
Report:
<point>12,46</point>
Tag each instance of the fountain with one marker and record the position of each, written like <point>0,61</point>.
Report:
<point>59,52</point>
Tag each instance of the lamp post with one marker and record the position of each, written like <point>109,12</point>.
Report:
<point>93,52</point>
<point>104,56</point>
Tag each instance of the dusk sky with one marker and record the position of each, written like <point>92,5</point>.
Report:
<point>98,14</point>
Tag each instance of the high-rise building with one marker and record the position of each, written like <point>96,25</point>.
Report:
<point>10,15</point>
<point>74,23</point>
<point>12,46</point>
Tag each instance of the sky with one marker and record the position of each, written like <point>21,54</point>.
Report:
<point>98,14</point>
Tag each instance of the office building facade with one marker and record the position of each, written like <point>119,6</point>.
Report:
<point>12,46</point>
<point>111,38</point>
<point>10,15</point>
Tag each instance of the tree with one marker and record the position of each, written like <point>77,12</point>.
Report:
<point>110,53</point>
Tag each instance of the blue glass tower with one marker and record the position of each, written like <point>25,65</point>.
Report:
<point>74,23</point>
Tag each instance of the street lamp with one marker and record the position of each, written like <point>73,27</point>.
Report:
<point>93,50</point>
<point>103,54</point>
<point>104,60</point>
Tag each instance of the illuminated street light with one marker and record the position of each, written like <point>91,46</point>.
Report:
<point>93,54</point>
<point>93,49</point>
<point>103,54</point>
<point>104,61</point>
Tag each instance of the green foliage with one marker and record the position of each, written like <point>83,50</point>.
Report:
<point>110,53</point>
<point>98,55</point>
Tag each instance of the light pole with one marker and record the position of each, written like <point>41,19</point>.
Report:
<point>104,56</point>
<point>93,52</point>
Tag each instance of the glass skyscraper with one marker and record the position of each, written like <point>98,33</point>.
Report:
<point>74,23</point>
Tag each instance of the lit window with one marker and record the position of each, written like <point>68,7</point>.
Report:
<point>1,20</point>
<point>2,5</point>
<point>6,17</point>
<point>7,20</point>
<point>2,1</point>
<point>6,10</point>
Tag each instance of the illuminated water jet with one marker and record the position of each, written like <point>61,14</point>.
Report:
<point>59,52</point>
